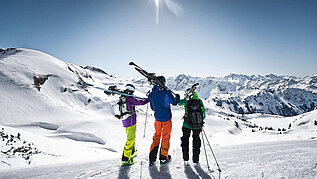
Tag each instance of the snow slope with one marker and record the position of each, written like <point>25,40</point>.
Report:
<point>55,119</point>
<point>292,159</point>
<point>60,112</point>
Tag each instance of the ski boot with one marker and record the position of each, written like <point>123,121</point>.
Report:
<point>196,164</point>
<point>164,161</point>
<point>151,163</point>
<point>131,159</point>
<point>186,163</point>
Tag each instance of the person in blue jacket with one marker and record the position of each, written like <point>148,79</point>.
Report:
<point>160,100</point>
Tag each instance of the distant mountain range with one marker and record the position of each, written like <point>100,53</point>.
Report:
<point>270,94</point>
<point>242,94</point>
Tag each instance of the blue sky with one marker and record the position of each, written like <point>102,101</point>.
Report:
<point>209,38</point>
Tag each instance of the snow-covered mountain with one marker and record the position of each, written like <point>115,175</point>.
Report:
<point>270,94</point>
<point>47,116</point>
<point>44,95</point>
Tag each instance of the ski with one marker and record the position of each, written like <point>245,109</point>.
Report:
<point>111,91</point>
<point>190,90</point>
<point>150,76</point>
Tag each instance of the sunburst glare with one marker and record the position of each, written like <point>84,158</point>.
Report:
<point>171,5</point>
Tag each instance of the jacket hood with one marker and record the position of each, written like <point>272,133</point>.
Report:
<point>155,88</point>
<point>195,96</point>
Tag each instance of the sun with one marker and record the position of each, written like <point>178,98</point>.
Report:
<point>157,4</point>
<point>172,6</point>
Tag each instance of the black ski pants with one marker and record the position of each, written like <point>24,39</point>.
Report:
<point>196,144</point>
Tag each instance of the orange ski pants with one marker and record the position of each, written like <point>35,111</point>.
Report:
<point>162,129</point>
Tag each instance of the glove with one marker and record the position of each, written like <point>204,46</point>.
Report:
<point>148,93</point>
<point>177,97</point>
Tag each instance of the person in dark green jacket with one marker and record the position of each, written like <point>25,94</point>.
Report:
<point>193,121</point>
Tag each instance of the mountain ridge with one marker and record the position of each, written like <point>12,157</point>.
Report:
<point>243,94</point>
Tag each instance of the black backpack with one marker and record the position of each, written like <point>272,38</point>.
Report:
<point>194,114</point>
<point>121,110</point>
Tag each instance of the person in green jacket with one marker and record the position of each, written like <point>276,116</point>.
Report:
<point>193,121</point>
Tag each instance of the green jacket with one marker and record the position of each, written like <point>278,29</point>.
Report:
<point>183,102</point>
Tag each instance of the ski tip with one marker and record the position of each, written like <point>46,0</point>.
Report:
<point>87,84</point>
<point>131,63</point>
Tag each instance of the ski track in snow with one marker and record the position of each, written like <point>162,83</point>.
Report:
<point>287,159</point>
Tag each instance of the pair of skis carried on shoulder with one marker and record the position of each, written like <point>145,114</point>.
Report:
<point>150,76</point>
<point>152,80</point>
<point>109,91</point>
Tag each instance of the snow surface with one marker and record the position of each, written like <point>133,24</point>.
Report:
<point>292,159</point>
<point>77,136</point>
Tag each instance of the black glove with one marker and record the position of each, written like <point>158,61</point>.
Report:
<point>177,97</point>
<point>148,93</point>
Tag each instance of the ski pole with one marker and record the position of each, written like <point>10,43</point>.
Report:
<point>141,170</point>
<point>147,108</point>
<point>205,150</point>
<point>212,152</point>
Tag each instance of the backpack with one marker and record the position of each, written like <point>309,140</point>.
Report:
<point>194,114</point>
<point>121,109</point>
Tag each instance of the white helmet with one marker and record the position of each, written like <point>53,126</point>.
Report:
<point>129,88</point>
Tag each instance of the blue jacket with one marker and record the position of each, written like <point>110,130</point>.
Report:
<point>160,103</point>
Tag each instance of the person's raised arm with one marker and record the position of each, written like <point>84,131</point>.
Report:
<point>137,102</point>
